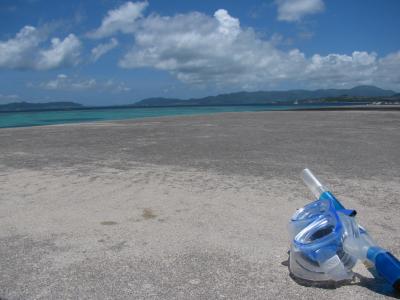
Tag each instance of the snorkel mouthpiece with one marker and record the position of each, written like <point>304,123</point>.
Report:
<point>327,241</point>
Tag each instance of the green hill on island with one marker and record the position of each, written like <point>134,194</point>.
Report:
<point>270,97</point>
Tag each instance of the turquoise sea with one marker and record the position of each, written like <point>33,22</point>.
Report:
<point>37,118</point>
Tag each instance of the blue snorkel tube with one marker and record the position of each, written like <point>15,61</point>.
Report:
<point>327,241</point>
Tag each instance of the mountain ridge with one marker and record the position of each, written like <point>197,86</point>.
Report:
<point>268,97</point>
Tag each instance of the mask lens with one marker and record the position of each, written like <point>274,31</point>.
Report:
<point>319,231</point>
<point>322,233</point>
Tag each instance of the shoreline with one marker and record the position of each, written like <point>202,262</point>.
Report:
<point>356,108</point>
<point>328,108</point>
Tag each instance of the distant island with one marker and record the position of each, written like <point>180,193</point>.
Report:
<point>364,94</point>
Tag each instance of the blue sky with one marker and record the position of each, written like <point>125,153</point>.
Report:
<point>115,52</point>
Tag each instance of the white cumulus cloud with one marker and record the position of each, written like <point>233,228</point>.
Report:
<point>65,83</point>
<point>295,10</point>
<point>17,52</point>
<point>121,19</point>
<point>62,82</point>
<point>216,50</point>
<point>200,49</point>
<point>26,51</point>
<point>103,48</point>
<point>197,48</point>
<point>61,53</point>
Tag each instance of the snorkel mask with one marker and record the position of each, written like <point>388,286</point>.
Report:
<point>326,241</point>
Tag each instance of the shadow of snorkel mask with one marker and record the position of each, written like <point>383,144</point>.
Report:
<point>326,241</point>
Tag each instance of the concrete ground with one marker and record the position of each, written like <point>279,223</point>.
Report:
<point>187,207</point>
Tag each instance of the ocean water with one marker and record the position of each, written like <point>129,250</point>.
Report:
<point>38,118</point>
